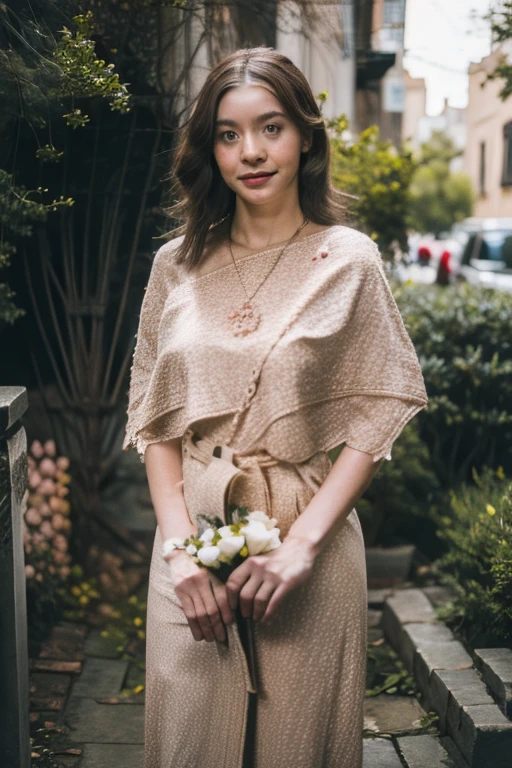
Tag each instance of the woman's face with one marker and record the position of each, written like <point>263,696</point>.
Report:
<point>254,135</point>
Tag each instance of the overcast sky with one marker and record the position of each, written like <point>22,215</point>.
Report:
<point>441,38</point>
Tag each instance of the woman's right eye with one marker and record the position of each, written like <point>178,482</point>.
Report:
<point>224,135</point>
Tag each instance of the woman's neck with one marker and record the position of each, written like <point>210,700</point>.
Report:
<point>258,230</point>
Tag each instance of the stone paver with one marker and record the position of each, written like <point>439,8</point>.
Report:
<point>420,635</point>
<point>100,678</point>
<point>374,618</point>
<point>377,597</point>
<point>65,643</point>
<point>476,732</point>
<point>380,753</point>
<point>453,751</point>
<point>466,688</point>
<point>48,691</point>
<point>105,723</point>
<point>48,665</point>
<point>495,665</point>
<point>439,595</point>
<point>109,755</point>
<point>392,714</point>
<point>483,735</point>
<point>405,607</point>
<point>425,751</point>
<point>374,629</point>
<point>103,647</point>
<point>411,606</point>
<point>430,656</point>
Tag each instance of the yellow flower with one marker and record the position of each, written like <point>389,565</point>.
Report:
<point>104,633</point>
<point>138,688</point>
<point>141,634</point>
<point>83,599</point>
<point>244,552</point>
<point>116,614</point>
<point>132,600</point>
<point>138,621</point>
<point>85,586</point>
<point>75,591</point>
<point>490,509</point>
<point>500,473</point>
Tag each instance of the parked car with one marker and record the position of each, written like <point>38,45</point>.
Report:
<point>482,252</point>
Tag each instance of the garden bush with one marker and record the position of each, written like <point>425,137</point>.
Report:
<point>478,561</point>
<point>463,337</point>
<point>396,505</point>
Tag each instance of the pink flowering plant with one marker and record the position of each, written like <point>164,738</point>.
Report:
<point>46,524</point>
<point>46,532</point>
<point>223,547</point>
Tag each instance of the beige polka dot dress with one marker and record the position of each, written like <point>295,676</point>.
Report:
<point>330,363</point>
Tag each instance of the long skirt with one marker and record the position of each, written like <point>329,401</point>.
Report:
<point>307,711</point>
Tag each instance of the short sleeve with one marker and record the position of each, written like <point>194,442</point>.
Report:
<point>146,348</point>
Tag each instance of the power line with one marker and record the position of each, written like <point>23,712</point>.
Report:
<point>435,64</point>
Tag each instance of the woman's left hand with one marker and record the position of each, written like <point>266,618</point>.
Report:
<point>262,581</point>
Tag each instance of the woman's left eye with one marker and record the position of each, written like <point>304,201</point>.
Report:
<point>273,125</point>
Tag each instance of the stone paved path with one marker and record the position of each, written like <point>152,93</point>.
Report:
<point>77,682</point>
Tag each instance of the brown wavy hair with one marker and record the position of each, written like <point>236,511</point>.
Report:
<point>206,204</point>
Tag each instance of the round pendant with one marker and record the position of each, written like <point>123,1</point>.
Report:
<point>244,320</point>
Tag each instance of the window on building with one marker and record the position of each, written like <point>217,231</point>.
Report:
<point>394,11</point>
<point>506,179</point>
<point>482,168</point>
<point>393,20</point>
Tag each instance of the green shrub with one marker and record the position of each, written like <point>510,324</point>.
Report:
<point>397,503</point>
<point>463,337</point>
<point>478,563</point>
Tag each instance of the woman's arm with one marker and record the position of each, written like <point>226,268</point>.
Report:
<point>350,476</point>
<point>164,470</point>
<point>262,581</point>
<point>202,595</point>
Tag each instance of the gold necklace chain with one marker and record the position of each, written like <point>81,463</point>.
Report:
<point>246,319</point>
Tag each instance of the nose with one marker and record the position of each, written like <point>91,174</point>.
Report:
<point>251,149</point>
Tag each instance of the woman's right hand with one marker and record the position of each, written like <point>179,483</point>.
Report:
<point>203,597</point>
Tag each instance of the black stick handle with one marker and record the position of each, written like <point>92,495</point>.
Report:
<point>246,630</point>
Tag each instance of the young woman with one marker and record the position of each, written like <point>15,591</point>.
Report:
<point>268,336</point>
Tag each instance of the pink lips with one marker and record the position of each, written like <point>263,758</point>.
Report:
<point>255,181</point>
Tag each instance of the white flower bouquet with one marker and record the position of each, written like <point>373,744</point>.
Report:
<point>223,547</point>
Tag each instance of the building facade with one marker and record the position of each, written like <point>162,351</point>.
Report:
<point>488,155</point>
<point>415,106</point>
<point>380,95</point>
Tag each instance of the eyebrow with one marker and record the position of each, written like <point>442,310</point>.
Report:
<point>260,119</point>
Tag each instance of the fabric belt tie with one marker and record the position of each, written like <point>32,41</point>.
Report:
<point>229,475</point>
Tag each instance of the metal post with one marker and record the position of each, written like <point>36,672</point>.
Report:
<point>14,693</point>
